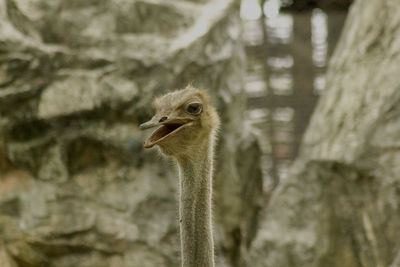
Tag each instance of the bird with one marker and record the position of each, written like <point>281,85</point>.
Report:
<point>186,130</point>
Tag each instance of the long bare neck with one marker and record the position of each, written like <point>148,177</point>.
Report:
<point>195,175</point>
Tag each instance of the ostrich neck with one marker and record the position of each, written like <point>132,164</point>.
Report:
<point>195,175</point>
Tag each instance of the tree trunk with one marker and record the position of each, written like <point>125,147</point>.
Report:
<point>341,205</point>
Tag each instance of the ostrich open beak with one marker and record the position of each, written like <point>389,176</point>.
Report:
<point>166,129</point>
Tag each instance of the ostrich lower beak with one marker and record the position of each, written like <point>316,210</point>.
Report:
<point>167,128</point>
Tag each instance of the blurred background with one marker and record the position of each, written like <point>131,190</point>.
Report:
<point>288,45</point>
<point>307,164</point>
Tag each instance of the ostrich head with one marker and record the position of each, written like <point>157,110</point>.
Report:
<point>184,119</point>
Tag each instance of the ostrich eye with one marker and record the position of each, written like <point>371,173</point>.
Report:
<point>194,108</point>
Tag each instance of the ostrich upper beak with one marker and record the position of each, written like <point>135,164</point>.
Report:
<point>168,127</point>
<point>150,124</point>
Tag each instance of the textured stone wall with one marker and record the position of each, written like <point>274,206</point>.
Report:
<point>76,79</point>
<point>340,206</point>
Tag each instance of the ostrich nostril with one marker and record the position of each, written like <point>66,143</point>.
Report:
<point>162,119</point>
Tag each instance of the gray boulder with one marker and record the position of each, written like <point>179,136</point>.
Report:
<point>76,80</point>
<point>340,205</point>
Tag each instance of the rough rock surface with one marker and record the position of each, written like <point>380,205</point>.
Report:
<point>340,206</point>
<point>76,79</point>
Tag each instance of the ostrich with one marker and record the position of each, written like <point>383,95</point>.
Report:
<point>187,126</point>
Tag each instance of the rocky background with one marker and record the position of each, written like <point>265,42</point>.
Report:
<point>76,80</point>
<point>77,188</point>
<point>340,205</point>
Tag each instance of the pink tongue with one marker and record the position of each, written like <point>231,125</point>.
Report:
<point>159,133</point>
